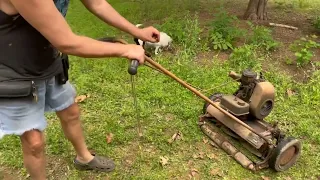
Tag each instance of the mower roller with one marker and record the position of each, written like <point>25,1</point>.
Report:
<point>240,117</point>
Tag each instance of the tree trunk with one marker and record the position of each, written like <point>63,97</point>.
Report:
<point>256,10</point>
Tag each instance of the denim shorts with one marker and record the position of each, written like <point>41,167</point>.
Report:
<point>19,116</point>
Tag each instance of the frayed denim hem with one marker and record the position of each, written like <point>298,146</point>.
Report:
<point>3,133</point>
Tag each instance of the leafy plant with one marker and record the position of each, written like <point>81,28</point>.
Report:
<point>303,57</point>
<point>316,23</point>
<point>185,32</point>
<point>244,57</point>
<point>223,31</point>
<point>303,49</point>
<point>219,42</point>
<point>262,38</point>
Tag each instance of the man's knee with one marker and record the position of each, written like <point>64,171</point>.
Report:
<point>70,115</point>
<point>33,143</point>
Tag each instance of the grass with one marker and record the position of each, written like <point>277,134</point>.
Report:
<point>166,108</point>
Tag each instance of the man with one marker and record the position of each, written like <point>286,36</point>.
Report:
<point>31,34</point>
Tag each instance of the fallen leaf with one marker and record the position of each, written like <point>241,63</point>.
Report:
<point>290,92</point>
<point>205,140</point>
<point>163,160</point>
<point>211,156</point>
<point>80,98</point>
<point>287,178</point>
<point>194,172</point>
<point>129,162</point>
<point>109,138</point>
<point>175,136</point>
<point>216,172</point>
<point>140,134</point>
<point>199,155</point>
<point>190,163</point>
<point>265,178</point>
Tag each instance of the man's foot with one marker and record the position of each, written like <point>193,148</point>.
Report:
<point>98,163</point>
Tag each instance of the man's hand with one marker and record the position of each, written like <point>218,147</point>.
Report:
<point>135,52</point>
<point>149,34</point>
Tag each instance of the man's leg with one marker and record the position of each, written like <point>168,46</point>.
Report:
<point>71,125</point>
<point>34,154</point>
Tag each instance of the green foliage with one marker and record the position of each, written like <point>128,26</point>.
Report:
<point>316,23</point>
<point>245,57</point>
<point>303,49</point>
<point>262,38</point>
<point>184,32</point>
<point>219,42</point>
<point>303,57</point>
<point>223,30</point>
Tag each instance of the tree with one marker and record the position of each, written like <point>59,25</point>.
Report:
<point>256,10</point>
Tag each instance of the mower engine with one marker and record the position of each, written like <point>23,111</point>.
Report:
<point>250,104</point>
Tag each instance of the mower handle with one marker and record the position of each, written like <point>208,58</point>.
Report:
<point>133,67</point>
<point>234,75</point>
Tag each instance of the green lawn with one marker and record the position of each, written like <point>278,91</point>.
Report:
<point>166,107</point>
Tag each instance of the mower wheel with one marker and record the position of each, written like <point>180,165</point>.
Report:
<point>285,154</point>
<point>213,97</point>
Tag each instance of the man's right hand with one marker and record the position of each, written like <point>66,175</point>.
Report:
<point>135,52</point>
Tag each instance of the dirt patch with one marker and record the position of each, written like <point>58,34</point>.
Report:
<point>57,168</point>
<point>9,174</point>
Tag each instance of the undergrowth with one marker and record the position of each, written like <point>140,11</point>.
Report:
<point>303,49</point>
<point>185,32</point>
<point>262,38</point>
<point>316,23</point>
<point>223,30</point>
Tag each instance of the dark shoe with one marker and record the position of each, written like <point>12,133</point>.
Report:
<point>98,163</point>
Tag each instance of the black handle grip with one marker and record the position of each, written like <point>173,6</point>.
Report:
<point>133,68</point>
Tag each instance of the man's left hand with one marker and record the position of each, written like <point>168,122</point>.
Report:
<point>149,34</point>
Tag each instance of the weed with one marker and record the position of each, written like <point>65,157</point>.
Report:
<point>244,57</point>
<point>316,23</point>
<point>223,31</point>
<point>185,32</point>
<point>262,38</point>
<point>303,49</point>
<point>289,61</point>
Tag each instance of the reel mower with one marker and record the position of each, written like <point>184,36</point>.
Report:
<point>241,117</point>
<point>248,106</point>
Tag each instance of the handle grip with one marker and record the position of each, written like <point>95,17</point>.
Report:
<point>133,68</point>
<point>234,75</point>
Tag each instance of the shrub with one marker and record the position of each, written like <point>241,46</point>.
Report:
<point>185,32</point>
<point>316,23</point>
<point>262,38</point>
<point>303,49</point>
<point>244,57</point>
<point>223,32</point>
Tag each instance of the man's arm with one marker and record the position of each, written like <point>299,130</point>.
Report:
<point>44,16</point>
<point>104,11</point>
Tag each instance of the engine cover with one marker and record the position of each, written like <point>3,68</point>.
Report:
<point>262,100</point>
<point>235,105</point>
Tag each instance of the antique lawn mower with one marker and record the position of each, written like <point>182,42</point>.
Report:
<point>248,106</point>
<point>239,117</point>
